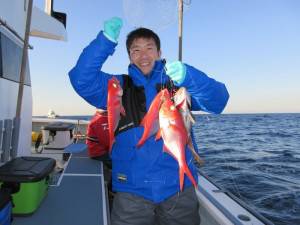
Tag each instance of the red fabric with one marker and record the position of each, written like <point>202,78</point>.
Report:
<point>97,135</point>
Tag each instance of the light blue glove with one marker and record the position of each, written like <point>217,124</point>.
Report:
<point>112,28</point>
<point>176,71</point>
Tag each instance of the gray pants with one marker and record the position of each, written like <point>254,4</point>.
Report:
<point>180,209</point>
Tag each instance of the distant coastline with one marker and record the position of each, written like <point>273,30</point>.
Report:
<point>194,112</point>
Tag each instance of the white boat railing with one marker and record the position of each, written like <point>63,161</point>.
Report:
<point>79,131</point>
<point>220,206</point>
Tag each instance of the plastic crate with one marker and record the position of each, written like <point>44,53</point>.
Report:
<point>27,178</point>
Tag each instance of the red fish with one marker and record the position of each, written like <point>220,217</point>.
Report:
<point>182,101</point>
<point>175,137</point>
<point>114,108</point>
<point>150,120</point>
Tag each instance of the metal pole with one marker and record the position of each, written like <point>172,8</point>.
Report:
<point>180,21</point>
<point>17,119</point>
<point>24,60</point>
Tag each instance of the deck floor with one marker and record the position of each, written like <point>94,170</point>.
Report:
<point>78,197</point>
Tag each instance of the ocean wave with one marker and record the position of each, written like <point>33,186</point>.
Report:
<point>271,134</point>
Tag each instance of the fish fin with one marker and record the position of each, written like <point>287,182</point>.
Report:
<point>194,153</point>
<point>158,135</point>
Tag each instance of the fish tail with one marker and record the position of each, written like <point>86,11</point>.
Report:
<point>194,153</point>
<point>189,174</point>
<point>198,159</point>
<point>143,138</point>
<point>111,142</point>
<point>181,177</point>
<point>140,143</point>
<point>185,170</point>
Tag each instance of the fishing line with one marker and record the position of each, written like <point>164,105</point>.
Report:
<point>235,184</point>
<point>223,173</point>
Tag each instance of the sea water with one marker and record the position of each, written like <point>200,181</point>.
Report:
<point>257,158</point>
<point>254,156</point>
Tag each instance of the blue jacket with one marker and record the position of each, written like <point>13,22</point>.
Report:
<point>148,171</point>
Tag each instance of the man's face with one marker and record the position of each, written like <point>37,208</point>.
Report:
<point>143,53</point>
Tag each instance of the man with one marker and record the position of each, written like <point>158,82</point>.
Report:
<point>97,136</point>
<point>97,142</point>
<point>146,179</point>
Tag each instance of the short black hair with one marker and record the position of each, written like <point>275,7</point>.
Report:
<point>142,33</point>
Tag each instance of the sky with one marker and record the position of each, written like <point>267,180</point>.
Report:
<point>252,46</point>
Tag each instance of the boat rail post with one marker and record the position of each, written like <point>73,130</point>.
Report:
<point>7,140</point>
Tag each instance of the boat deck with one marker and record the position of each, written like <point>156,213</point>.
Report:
<point>79,197</point>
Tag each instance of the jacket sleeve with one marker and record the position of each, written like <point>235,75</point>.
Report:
<point>87,78</point>
<point>207,94</point>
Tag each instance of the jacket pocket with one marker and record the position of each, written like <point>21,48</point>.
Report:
<point>123,156</point>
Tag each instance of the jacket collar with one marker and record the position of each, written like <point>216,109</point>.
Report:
<point>157,74</point>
